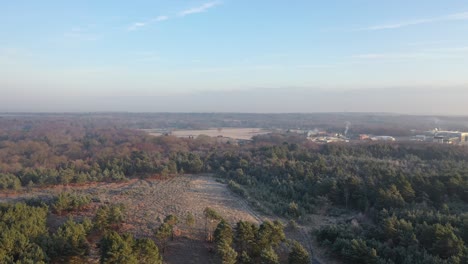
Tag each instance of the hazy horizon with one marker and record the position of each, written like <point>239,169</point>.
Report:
<point>391,100</point>
<point>234,56</point>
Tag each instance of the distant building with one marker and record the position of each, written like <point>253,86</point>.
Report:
<point>364,137</point>
<point>451,137</point>
<point>327,139</point>
<point>421,138</point>
<point>316,133</point>
<point>383,138</point>
<point>464,138</point>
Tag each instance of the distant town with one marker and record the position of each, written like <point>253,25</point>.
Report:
<point>240,135</point>
<point>436,136</point>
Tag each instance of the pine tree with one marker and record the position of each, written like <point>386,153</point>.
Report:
<point>163,233</point>
<point>116,249</point>
<point>147,252</point>
<point>269,256</point>
<point>298,254</point>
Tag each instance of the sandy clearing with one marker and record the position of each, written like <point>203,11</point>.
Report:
<point>235,133</point>
<point>148,201</point>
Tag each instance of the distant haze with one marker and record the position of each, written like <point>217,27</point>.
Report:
<point>451,101</point>
<point>234,56</point>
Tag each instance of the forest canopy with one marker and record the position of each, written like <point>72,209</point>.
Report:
<point>410,200</point>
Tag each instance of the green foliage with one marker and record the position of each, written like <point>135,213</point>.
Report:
<point>70,202</point>
<point>172,220</point>
<point>22,228</point>
<point>256,244</point>
<point>394,239</point>
<point>298,255</point>
<point>270,234</point>
<point>211,217</point>
<point>357,251</point>
<point>107,216</point>
<point>445,243</point>
<point>390,198</point>
<point>293,210</point>
<point>188,162</point>
<point>163,233</point>
<point>146,252</point>
<point>245,237</point>
<point>223,239</point>
<point>70,239</point>
<point>244,258</point>
<point>236,188</point>
<point>9,182</point>
<point>227,253</point>
<point>411,198</point>
<point>211,214</point>
<point>190,219</point>
<point>117,249</point>
<point>223,233</point>
<point>395,187</point>
<point>269,256</point>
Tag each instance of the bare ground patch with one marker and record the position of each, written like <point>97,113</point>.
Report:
<point>148,201</point>
<point>236,133</point>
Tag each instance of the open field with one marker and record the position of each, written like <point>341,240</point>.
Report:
<point>148,201</point>
<point>235,133</point>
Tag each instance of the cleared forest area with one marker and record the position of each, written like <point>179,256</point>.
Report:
<point>148,201</point>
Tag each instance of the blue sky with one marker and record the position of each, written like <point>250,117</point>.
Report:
<point>51,49</point>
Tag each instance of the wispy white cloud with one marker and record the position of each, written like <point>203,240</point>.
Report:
<point>231,68</point>
<point>429,43</point>
<point>315,66</point>
<point>148,56</point>
<point>450,49</point>
<point>81,33</point>
<point>458,16</point>
<point>440,53</point>
<point>160,18</point>
<point>194,10</point>
<point>199,9</point>
<point>386,56</point>
<point>138,25</point>
<point>413,22</point>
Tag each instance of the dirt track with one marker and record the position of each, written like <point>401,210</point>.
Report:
<point>147,202</point>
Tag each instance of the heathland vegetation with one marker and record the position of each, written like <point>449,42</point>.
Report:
<point>407,203</point>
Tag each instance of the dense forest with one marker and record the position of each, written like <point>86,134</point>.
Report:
<point>413,200</point>
<point>408,202</point>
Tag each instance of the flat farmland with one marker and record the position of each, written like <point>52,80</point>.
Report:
<point>235,133</point>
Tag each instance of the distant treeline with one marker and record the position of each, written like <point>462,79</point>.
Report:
<point>358,123</point>
<point>412,198</point>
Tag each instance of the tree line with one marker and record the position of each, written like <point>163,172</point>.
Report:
<point>412,196</point>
